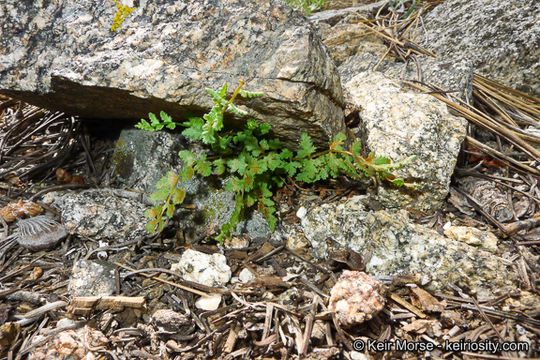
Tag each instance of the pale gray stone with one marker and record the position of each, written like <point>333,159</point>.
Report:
<point>355,48</point>
<point>92,278</point>
<point>454,76</point>
<point>246,276</point>
<point>209,270</point>
<point>101,214</point>
<point>397,123</point>
<point>61,54</point>
<point>393,245</point>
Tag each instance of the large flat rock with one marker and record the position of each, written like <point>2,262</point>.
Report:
<point>62,55</point>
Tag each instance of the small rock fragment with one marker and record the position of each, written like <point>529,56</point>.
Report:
<point>237,242</point>
<point>246,276</point>
<point>302,211</point>
<point>91,278</point>
<point>209,270</point>
<point>170,320</point>
<point>297,242</point>
<point>355,298</point>
<point>209,303</point>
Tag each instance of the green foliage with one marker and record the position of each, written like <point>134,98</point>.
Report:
<point>121,14</point>
<point>156,124</point>
<point>307,6</point>
<point>167,196</point>
<point>256,164</point>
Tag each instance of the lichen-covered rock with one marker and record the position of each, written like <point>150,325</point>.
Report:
<point>398,246</point>
<point>100,214</point>
<point>355,298</point>
<point>398,123</point>
<point>61,54</point>
<point>500,38</point>
<point>92,278</point>
<point>141,158</point>
<point>210,270</point>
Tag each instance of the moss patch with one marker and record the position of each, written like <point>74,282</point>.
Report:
<point>123,160</point>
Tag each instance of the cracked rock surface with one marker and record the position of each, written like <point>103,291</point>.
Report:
<point>62,54</point>
<point>398,246</point>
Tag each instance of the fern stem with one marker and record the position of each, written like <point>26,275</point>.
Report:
<point>169,197</point>
<point>236,92</point>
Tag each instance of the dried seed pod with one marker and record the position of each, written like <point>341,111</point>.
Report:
<point>40,233</point>
<point>19,208</point>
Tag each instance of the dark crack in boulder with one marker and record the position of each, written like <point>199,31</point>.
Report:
<point>62,55</point>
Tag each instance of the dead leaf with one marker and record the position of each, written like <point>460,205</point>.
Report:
<point>424,300</point>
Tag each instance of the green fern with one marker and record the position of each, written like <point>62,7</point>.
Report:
<point>167,196</point>
<point>256,164</point>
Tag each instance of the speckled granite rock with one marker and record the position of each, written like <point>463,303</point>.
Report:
<point>397,123</point>
<point>92,278</point>
<point>500,38</point>
<point>397,246</point>
<point>455,75</point>
<point>100,214</point>
<point>61,54</point>
<point>344,35</point>
<point>141,158</point>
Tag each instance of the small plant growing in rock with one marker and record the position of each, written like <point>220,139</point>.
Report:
<point>255,162</point>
